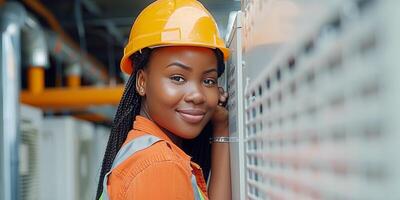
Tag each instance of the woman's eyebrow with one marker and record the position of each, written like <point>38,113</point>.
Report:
<point>210,70</point>
<point>180,65</point>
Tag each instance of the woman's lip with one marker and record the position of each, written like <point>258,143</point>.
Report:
<point>190,118</point>
<point>192,111</point>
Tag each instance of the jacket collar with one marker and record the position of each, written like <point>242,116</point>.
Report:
<point>146,125</point>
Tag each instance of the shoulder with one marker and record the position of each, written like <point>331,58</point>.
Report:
<point>158,154</point>
<point>155,167</point>
<point>161,180</point>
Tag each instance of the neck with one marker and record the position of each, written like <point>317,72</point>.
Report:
<point>175,139</point>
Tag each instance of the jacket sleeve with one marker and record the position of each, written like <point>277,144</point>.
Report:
<point>162,180</point>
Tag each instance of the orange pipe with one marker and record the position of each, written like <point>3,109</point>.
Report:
<point>35,79</point>
<point>74,81</point>
<point>74,97</point>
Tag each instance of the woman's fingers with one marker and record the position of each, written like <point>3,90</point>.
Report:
<point>223,97</point>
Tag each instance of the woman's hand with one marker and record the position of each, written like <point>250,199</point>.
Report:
<point>220,180</point>
<point>220,116</point>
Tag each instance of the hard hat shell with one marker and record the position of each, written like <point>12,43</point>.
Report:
<point>172,23</point>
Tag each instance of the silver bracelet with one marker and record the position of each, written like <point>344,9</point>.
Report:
<point>223,139</point>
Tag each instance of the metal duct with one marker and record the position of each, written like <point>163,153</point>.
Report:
<point>71,56</point>
<point>34,51</point>
<point>12,17</point>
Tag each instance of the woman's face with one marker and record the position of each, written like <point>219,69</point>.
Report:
<point>180,89</point>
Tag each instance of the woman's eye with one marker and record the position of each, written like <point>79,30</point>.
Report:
<point>178,79</point>
<point>210,82</point>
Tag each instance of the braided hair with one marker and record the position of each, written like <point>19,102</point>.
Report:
<point>129,107</point>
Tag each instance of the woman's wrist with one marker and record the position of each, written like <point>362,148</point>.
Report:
<point>221,131</point>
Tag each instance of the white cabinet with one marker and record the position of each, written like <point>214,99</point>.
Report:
<point>31,120</point>
<point>322,100</point>
<point>66,159</point>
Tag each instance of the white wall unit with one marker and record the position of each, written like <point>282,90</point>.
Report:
<point>66,159</point>
<point>31,120</point>
<point>321,99</point>
<point>234,84</point>
<point>86,169</point>
<point>100,142</point>
<point>58,159</point>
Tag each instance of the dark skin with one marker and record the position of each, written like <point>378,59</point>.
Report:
<point>180,94</point>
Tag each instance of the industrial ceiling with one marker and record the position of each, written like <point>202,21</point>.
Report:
<point>106,24</point>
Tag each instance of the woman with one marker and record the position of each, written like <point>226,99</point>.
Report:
<point>174,57</point>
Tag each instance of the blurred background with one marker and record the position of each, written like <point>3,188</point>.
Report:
<point>313,85</point>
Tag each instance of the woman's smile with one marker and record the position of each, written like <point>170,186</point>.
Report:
<point>191,115</point>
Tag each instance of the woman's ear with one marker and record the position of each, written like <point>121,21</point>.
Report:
<point>141,82</point>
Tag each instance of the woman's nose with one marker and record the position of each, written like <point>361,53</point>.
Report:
<point>195,95</point>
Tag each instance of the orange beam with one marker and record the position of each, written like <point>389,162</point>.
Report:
<point>73,97</point>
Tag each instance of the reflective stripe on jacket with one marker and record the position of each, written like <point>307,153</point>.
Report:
<point>150,166</point>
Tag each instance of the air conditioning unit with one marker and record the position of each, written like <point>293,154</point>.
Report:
<point>30,126</point>
<point>85,133</point>
<point>66,158</point>
<point>99,146</point>
<point>321,95</point>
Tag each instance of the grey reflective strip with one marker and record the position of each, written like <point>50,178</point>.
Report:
<point>197,195</point>
<point>104,196</point>
<point>132,147</point>
<point>126,151</point>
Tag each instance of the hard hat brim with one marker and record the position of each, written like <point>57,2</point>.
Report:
<point>127,66</point>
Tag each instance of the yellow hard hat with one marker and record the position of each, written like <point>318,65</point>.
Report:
<point>172,23</point>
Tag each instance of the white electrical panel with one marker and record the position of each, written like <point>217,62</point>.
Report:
<point>67,168</point>
<point>85,172</point>
<point>234,84</point>
<point>100,142</point>
<point>30,127</point>
<point>321,99</point>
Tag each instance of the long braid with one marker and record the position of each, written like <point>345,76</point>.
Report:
<point>128,108</point>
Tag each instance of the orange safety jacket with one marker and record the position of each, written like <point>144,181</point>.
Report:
<point>150,166</point>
